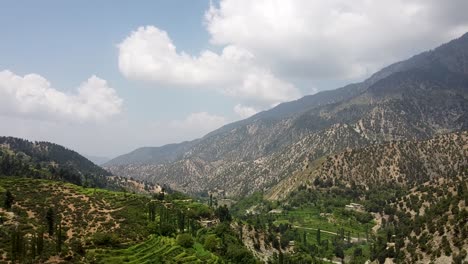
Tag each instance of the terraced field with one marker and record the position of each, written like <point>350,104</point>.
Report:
<point>330,223</point>
<point>156,250</point>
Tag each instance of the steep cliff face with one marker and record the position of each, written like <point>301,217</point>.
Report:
<point>415,99</point>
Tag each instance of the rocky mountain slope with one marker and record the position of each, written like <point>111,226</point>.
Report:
<point>416,190</point>
<point>414,99</point>
<point>404,163</point>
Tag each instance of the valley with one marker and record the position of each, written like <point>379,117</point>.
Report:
<point>373,172</point>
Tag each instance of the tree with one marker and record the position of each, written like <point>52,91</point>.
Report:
<point>212,243</point>
<point>59,238</point>
<point>318,236</point>
<point>9,199</point>
<point>40,241</point>
<point>185,240</point>
<point>17,245</point>
<point>152,211</point>
<point>181,221</point>
<point>50,218</point>
<point>339,251</point>
<point>223,214</point>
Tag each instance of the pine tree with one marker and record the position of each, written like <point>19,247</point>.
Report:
<point>33,246</point>
<point>181,221</point>
<point>59,238</point>
<point>40,241</point>
<point>9,199</point>
<point>318,236</point>
<point>17,245</point>
<point>152,211</point>
<point>14,253</point>
<point>50,218</point>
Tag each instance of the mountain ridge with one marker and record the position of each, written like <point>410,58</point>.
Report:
<point>418,98</point>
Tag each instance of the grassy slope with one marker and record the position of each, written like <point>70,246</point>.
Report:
<point>83,213</point>
<point>157,250</point>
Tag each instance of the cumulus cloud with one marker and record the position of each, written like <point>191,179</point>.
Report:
<point>334,39</point>
<point>32,96</point>
<point>149,54</point>
<point>244,111</point>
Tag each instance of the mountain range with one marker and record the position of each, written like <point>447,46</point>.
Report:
<point>415,99</point>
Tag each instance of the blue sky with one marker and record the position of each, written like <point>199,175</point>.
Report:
<point>105,77</point>
<point>68,41</point>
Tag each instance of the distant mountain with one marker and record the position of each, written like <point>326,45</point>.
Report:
<point>152,155</point>
<point>416,99</point>
<point>97,159</point>
<point>19,157</point>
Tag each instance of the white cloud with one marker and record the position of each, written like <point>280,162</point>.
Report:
<point>337,38</point>
<point>244,111</point>
<point>149,54</point>
<point>32,96</point>
<point>197,124</point>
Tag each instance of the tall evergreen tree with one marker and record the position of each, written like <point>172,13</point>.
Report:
<point>9,199</point>
<point>318,236</point>
<point>50,219</point>
<point>59,238</point>
<point>40,241</point>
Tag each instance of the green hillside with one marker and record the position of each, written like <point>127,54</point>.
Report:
<point>157,250</point>
<point>19,157</point>
<point>99,226</point>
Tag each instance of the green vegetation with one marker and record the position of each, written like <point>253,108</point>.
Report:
<point>323,219</point>
<point>79,224</point>
<point>44,160</point>
<point>315,220</point>
<point>156,250</point>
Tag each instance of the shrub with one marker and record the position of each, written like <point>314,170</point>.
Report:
<point>185,240</point>
<point>105,239</point>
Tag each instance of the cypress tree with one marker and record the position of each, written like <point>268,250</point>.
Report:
<point>40,241</point>
<point>318,236</point>
<point>9,199</point>
<point>59,238</point>
<point>14,253</point>
<point>33,246</point>
<point>50,221</point>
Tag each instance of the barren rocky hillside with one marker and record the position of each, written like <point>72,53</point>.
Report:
<point>416,99</point>
<point>407,163</point>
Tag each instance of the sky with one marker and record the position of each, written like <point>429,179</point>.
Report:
<point>106,77</point>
